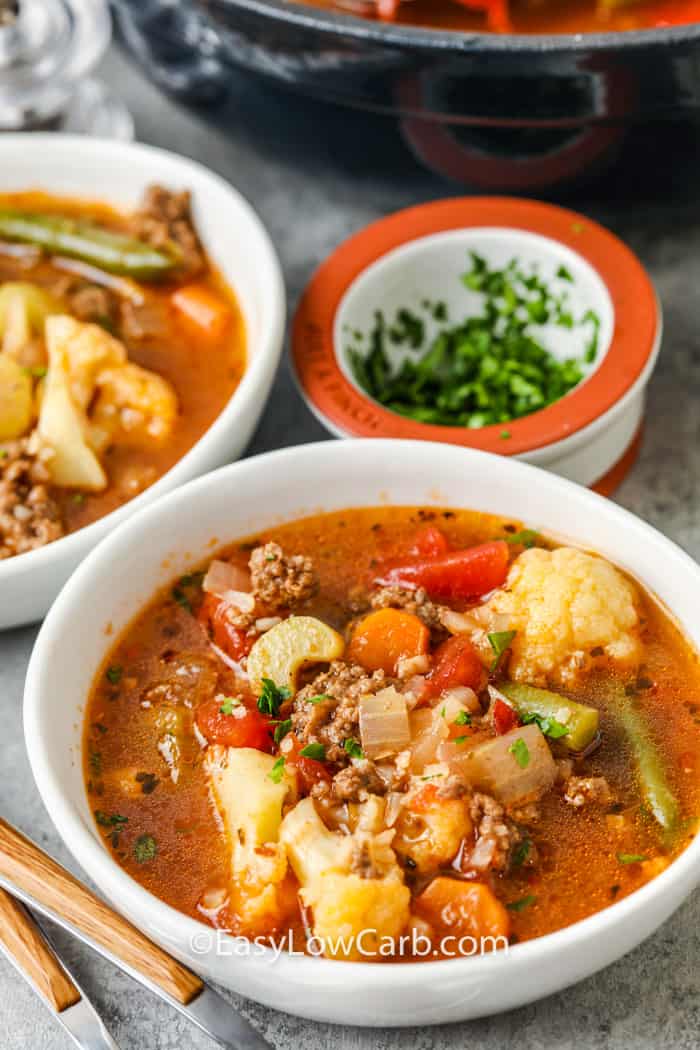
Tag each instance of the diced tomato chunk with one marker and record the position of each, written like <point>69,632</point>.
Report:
<point>430,543</point>
<point>424,799</point>
<point>505,717</point>
<point>213,615</point>
<point>455,663</point>
<point>310,771</point>
<point>456,575</point>
<point>244,727</point>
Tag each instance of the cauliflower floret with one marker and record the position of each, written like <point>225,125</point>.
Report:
<point>354,916</point>
<point>88,349</point>
<point>430,829</point>
<point>564,604</point>
<point>133,403</point>
<point>249,799</point>
<point>352,883</point>
<point>62,430</point>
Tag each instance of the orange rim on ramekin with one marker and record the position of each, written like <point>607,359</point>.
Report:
<point>346,410</point>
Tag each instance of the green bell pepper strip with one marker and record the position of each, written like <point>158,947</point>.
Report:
<point>580,720</point>
<point>656,792</point>
<point>113,252</point>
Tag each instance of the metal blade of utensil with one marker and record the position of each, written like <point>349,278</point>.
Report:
<point>84,1026</point>
<point>207,1010</point>
<point>80,1018</point>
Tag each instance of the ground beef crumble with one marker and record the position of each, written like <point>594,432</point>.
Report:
<point>336,718</point>
<point>416,602</point>
<point>281,580</point>
<point>581,791</point>
<point>496,836</point>
<point>165,218</point>
<point>357,781</point>
<point>29,516</point>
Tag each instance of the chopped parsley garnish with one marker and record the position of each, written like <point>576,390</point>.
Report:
<point>114,674</point>
<point>148,781</point>
<point>500,641</point>
<point>145,848</point>
<point>353,748</point>
<point>460,739</point>
<point>631,858</point>
<point>110,820</point>
<point>463,719</point>
<point>522,903</point>
<point>272,697</point>
<point>114,823</point>
<point>315,751</point>
<point>182,591</point>
<point>520,752</point>
<point>548,726</point>
<point>277,770</point>
<point>78,498</point>
<point>505,435</point>
<point>491,366</point>
<point>319,699</point>
<point>521,853</point>
<point>524,538</point>
<point>95,763</point>
<point>228,704</point>
<point>281,729</point>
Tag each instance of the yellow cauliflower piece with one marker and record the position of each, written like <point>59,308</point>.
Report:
<point>87,349</point>
<point>563,604</point>
<point>249,798</point>
<point>352,883</point>
<point>133,403</point>
<point>16,399</point>
<point>354,916</point>
<point>62,430</point>
<point>429,829</point>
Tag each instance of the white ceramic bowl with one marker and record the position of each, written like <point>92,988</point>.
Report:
<point>238,244</point>
<point>166,539</point>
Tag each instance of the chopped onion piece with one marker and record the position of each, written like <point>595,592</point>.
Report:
<point>427,733</point>
<point>384,725</point>
<point>229,583</point>
<point>464,696</point>
<point>123,286</point>
<point>413,665</point>
<point>266,623</point>
<point>394,801</point>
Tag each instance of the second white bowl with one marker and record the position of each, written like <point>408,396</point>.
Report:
<point>235,240</point>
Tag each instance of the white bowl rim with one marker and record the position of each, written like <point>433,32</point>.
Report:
<point>94,858</point>
<point>248,389</point>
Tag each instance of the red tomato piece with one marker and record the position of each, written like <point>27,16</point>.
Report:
<point>455,662</point>
<point>457,575</point>
<point>430,543</point>
<point>213,615</point>
<point>244,727</point>
<point>309,769</point>
<point>504,717</point>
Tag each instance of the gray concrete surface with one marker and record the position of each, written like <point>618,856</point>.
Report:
<point>316,175</point>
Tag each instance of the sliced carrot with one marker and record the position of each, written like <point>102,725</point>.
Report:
<point>203,308</point>
<point>462,909</point>
<point>386,636</point>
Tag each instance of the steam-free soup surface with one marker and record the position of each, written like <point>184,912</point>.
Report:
<point>563,825</point>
